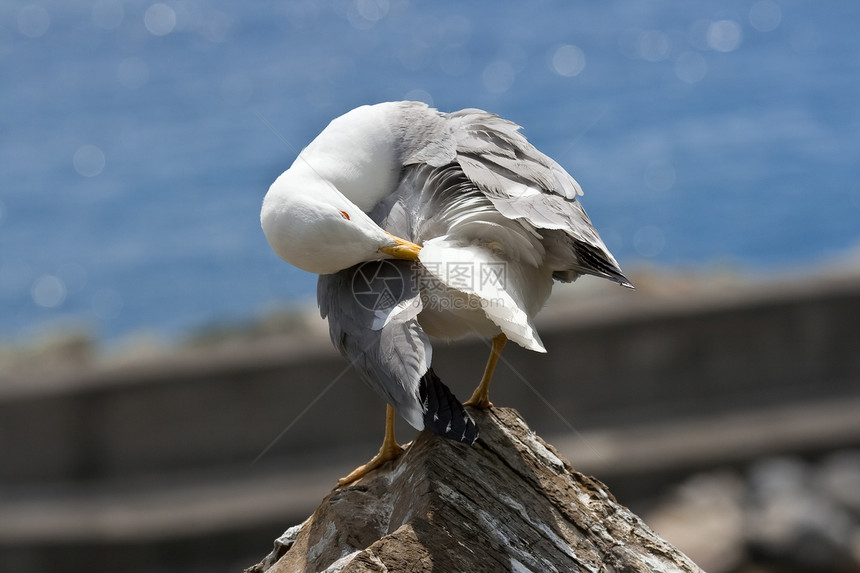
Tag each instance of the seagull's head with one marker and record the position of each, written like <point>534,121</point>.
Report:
<point>312,226</point>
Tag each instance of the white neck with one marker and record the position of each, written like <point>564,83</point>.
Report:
<point>358,154</point>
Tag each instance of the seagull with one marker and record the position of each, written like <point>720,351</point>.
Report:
<point>427,224</point>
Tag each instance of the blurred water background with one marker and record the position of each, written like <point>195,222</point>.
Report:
<point>139,138</point>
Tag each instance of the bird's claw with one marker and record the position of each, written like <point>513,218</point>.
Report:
<point>479,402</point>
<point>386,454</point>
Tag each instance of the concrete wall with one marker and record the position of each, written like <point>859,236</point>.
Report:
<point>626,360</point>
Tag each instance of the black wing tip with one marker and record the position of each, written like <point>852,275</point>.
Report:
<point>619,279</point>
<point>444,415</point>
<point>594,261</point>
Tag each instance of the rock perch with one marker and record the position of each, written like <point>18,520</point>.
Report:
<point>507,503</point>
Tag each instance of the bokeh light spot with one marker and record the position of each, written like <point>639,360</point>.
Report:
<point>457,30</point>
<point>419,95</point>
<point>724,35</point>
<point>73,275</point>
<point>15,277</point>
<point>653,46</point>
<point>805,39</point>
<point>691,67</point>
<point>107,14</point>
<point>132,73</point>
<point>215,27</point>
<point>660,175</point>
<point>414,55</point>
<point>498,76</point>
<point>765,15</point>
<point>568,61</point>
<point>698,35</point>
<point>33,21</point>
<point>454,61</point>
<point>855,197</point>
<point>649,241</point>
<point>48,291</point>
<point>364,14</point>
<point>159,19</point>
<point>237,89</point>
<point>89,160</point>
<point>107,304</point>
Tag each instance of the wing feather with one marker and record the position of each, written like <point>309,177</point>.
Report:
<point>526,185</point>
<point>372,311</point>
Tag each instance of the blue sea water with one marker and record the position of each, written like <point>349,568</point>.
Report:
<point>137,139</point>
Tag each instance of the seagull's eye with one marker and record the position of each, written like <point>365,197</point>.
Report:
<point>345,215</point>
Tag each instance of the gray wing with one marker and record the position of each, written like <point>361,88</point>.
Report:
<point>372,311</point>
<point>522,183</point>
<point>525,184</point>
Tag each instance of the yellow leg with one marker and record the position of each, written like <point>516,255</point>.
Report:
<point>390,450</point>
<point>481,396</point>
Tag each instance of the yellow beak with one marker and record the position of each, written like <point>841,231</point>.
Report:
<point>405,250</point>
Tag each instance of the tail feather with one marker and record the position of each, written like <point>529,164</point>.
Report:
<point>443,413</point>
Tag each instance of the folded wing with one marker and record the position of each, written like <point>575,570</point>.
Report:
<point>371,310</point>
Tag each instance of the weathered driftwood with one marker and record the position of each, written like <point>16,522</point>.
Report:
<point>508,503</point>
